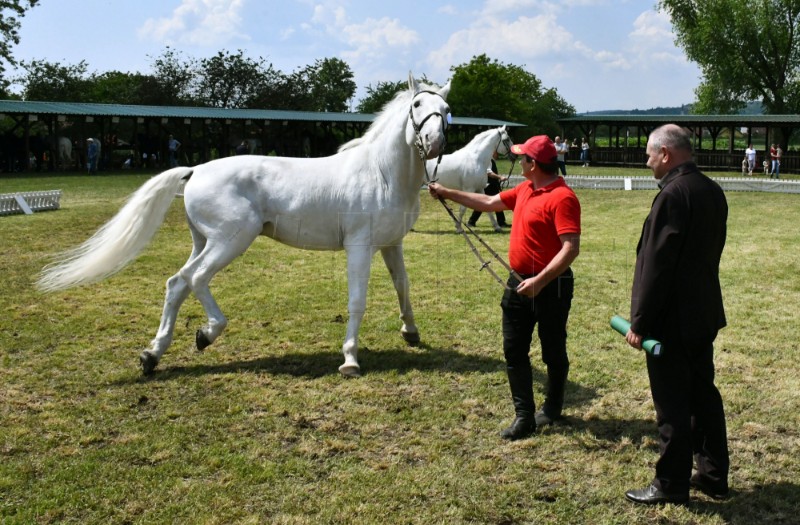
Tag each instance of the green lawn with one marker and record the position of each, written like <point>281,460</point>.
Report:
<point>260,428</point>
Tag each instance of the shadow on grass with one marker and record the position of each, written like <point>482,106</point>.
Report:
<point>607,433</point>
<point>764,504</point>
<point>324,363</point>
<point>488,230</point>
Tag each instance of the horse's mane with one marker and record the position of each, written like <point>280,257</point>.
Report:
<point>399,104</point>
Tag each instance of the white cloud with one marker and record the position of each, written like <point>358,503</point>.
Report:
<point>197,22</point>
<point>653,27</point>
<point>653,39</point>
<point>605,58</point>
<point>370,40</point>
<point>498,38</point>
<point>379,34</point>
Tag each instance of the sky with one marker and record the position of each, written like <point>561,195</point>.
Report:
<point>598,54</point>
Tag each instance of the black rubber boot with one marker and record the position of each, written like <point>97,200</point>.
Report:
<point>520,379</point>
<point>554,401</point>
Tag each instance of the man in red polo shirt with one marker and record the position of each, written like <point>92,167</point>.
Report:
<point>545,239</point>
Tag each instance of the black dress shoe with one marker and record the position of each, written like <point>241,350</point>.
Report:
<point>709,489</point>
<point>521,428</point>
<point>653,496</point>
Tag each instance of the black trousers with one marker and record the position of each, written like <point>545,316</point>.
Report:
<point>690,416</point>
<point>492,188</point>
<point>550,310</point>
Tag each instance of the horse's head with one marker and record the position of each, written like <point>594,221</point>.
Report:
<point>504,145</point>
<point>428,119</point>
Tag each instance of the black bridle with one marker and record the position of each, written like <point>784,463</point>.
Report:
<point>418,133</point>
<point>509,155</point>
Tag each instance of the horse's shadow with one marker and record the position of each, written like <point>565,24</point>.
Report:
<point>323,363</point>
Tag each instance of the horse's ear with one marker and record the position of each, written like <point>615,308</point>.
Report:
<point>412,83</point>
<point>445,90</point>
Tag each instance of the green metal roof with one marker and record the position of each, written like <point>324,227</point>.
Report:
<point>123,110</point>
<point>732,120</point>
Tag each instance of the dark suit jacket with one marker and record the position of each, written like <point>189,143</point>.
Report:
<point>676,293</point>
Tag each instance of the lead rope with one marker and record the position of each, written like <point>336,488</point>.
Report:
<point>504,184</point>
<point>484,263</point>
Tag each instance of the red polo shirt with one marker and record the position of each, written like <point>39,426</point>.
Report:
<point>540,216</point>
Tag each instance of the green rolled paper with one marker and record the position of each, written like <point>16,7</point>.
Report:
<point>622,325</point>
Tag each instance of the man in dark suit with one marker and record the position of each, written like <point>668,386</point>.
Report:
<point>676,299</point>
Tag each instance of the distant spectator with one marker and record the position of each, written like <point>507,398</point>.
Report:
<point>776,152</point>
<point>242,148</point>
<point>173,145</point>
<point>750,155</point>
<point>584,152</point>
<point>92,152</point>
<point>561,149</point>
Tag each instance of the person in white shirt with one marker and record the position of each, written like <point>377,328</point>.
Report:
<point>750,154</point>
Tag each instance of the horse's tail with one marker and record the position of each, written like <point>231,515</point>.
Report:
<point>118,241</point>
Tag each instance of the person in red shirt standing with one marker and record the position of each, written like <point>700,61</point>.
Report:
<point>544,241</point>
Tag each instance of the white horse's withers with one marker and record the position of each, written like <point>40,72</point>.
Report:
<point>465,169</point>
<point>363,199</point>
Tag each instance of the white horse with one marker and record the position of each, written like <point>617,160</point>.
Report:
<point>64,152</point>
<point>363,199</point>
<point>465,169</point>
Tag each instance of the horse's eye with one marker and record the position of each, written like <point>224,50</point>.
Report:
<point>416,103</point>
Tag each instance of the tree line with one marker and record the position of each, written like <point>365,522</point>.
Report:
<point>483,87</point>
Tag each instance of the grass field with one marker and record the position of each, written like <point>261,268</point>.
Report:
<point>260,428</point>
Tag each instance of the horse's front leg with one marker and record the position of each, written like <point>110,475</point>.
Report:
<point>359,259</point>
<point>393,257</point>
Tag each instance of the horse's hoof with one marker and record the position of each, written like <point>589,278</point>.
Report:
<point>148,363</point>
<point>412,338</point>
<point>350,370</point>
<point>201,340</point>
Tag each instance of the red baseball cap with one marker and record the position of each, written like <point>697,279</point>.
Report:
<point>540,148</point>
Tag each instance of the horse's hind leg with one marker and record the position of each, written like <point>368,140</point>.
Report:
<point>198,272</point>
<point>460,220</point>
<point>393,257</point>
<point>493,219</point>
<point>177,292</point>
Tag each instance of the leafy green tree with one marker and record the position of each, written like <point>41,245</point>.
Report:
<point>173,80</point>
<point>380,95</point>
<point>10,13</point>
<point>747,51</point>
<point>116,87</point>
<point>488,88</point>
<point>49,81</point>
<point>229,80</point>
<point>278,92</point>
<point>331,85</point>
